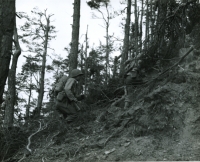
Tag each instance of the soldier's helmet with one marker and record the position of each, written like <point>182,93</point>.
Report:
<point>75,73</point>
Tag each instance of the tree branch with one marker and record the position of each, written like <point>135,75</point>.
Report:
<point>175,11</point>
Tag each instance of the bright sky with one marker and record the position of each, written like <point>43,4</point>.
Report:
<point>62,20</point>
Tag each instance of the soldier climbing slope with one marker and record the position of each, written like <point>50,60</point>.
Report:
<point>131,79</point>
<point>67,95</point>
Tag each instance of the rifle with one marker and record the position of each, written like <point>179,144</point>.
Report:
<point>77,106</point>
<point>82,106</point>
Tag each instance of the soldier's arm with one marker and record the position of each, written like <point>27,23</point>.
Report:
<point>68,89</point>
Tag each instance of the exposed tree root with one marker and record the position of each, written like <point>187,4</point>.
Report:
<point>29,141</point>
<point>78,150</point>
<point>117,101</point>
<point>29,138</point>
<point>22,158</point>
<point>120,129</point>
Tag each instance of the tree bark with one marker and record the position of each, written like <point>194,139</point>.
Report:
<point>107,51</point>
<point>162,11</point>
<point>115,66</point>
<point>152,15</point>
<point>41,88</point>
<point>82,57</point>
<point>136,30</point>
<point>141,24</point>
<point>73,58</point>
<point>107,22</point>
<point>30,88</point>
<point>29,100</point>
<point>86,66</point>
<point>11,98</point>
<point>147,26</point>
<point>7,18</point>
<point>126,38</point>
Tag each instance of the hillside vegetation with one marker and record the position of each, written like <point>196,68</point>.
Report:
<point>163,123</point>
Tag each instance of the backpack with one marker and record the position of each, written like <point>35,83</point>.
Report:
<point>61,84</point>
<point>58,89</point>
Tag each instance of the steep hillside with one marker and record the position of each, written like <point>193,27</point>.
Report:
<point>163,123</point>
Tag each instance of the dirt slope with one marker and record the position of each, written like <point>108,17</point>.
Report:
<point>163,123</point>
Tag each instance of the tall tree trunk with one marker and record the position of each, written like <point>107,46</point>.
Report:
<point>115,67</point>
<point>152,16</point>
<point>136,30</point>
<point>162,11</point>
<point>107,21</point>
<point>107,52</point>
<point>73,58</point>
<point>82,57</point>
<point>42,76</point>
<point>27,115</point>
<point>7,19</point>
<point>11,99</point>
<point>29,101</point>
<point>86,66</point>
<point>147,26</point>
<point>116,60</point>
<point>141,24</point>
<point>126,38</point>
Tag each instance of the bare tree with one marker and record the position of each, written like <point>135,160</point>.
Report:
<point>39,32</point>
<point>97,5</point>
<point>46,30</point>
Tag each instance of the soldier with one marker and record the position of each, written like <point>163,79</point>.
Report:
<point>67,100</point>
<point>131,79</point>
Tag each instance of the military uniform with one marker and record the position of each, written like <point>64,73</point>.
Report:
<point>130,77</point>
<point>67,105</point>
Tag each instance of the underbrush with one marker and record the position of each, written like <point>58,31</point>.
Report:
<point>158,110</point>
<point>11,140</point>
<point>37,136</point>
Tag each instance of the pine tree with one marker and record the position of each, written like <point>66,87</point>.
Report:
<point>39,34</point>
<point>97,5</point>
<point>28,81</point>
